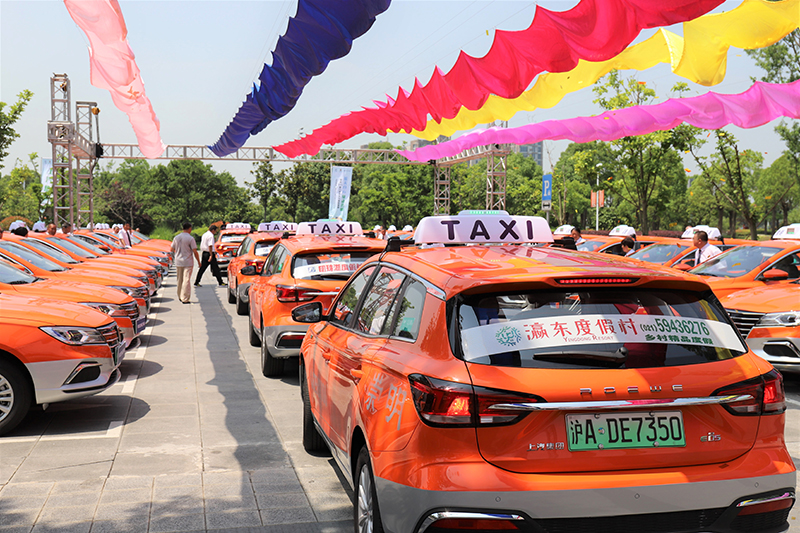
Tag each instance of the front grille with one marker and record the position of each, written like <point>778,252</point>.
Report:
<point>744,320</point>
<point>111,333</point>
<point>131,310</point>
<point>140,292</point>
<point>653,523</point>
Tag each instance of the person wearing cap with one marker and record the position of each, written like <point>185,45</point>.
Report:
<point>705,251</point>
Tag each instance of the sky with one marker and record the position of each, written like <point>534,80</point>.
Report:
<point>198,60</point>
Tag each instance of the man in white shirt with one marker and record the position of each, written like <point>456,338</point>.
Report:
<point>208,248</point>
<point>704,251</point>
<point>183,246</point>
<point>125,235</point>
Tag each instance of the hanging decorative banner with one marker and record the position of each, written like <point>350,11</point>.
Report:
<point>339,204</point>
<point>594,30</point>
<point>320,31</point>
<point>755,107</point>
<point>113,67</point>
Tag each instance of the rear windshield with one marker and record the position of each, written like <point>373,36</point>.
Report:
<point>232,238</point>
<point>599,329</point>
<point>736,262</point>
<point>49,251</point>
<point>658,253</point>
<point>31,257</point>
<point>329,265</point>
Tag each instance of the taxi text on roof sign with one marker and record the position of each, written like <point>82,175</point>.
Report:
<point>237,225</point>
<point>464,229</point>
<point>277,225</point>
<point>329,227</point>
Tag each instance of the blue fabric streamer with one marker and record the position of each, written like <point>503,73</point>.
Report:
<point>320,31</point>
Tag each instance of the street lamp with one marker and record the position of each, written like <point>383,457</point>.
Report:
<point>597,199</point>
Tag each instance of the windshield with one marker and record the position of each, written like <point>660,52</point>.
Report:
<point>86,242</point>
<point>736,262</point>
<point>139,235</point>
<point>591,246</point>
<point>232,238</point>
<point>106,239</point>
<point>329,265</point>
<point>262,249</point>
<point>604,328</point>
<point>30,256</point>
<point>14,276</point>
<point>50,251</point>
<point>70,246</point>
<point>659,253</point>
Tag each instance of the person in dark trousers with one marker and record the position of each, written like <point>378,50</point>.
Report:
<point>208,247</point>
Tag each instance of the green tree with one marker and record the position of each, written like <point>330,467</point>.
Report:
<point>264,188</point>
<point>7,119</point>
<point>523,185</point>
<point>305,190</point>
<point>21,192</point>
<point>779,190</point>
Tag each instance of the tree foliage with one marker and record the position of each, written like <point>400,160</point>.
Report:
<point>21,192</point>
<point>7,120</point>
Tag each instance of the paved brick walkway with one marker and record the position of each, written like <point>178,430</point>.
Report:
<point>193,438</point>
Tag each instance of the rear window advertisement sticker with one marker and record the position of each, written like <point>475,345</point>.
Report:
<point>320,269</point>
<point>550,332</point>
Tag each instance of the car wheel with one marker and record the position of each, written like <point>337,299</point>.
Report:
<point>312,440</point>
<point>241,307</point>
<point>251,334</point>
<point>270,366</point>
<point>366,515</point>
<point>16,395</point>
<point>231,295</point>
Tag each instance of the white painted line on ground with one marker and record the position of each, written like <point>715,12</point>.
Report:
<point>793,402</point>
<point>114,431</point>
<point>129,384</point>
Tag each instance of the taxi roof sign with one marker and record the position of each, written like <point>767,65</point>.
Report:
<point>623,230</point>
<point>792,231</point>
<point>565,229</point>
<point>277,225</point>
<point>329,227</point>
<point>238,225</point>
<point>482,229</point>
<point>713,233</point>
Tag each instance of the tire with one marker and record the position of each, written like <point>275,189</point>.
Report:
<point>312,440</point>
<point>251,334</point>
<point>16,396</point>
<point>241,307</point>
<point>270,366</point>
<point>231,295</point>
<point>366,514</point>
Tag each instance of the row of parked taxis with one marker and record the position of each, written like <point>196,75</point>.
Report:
<point>484,377</point>
<point>70,306</point>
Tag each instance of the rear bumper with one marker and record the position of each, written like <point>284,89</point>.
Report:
<point>280,341</point>
<point>706,506</point>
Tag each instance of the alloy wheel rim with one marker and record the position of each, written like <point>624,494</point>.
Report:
<point>364,501</point>
<point>6,398</point>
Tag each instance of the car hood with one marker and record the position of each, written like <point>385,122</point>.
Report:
<point>765,300</point>
<point>48,312</point>
<point>70,291</point>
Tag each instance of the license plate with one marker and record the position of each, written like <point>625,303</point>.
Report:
<point>140,324</point>
<point>617,431</point>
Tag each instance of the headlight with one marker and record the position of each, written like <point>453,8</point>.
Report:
<point>75,335</point>
<point>130,291</point>
<point>787,319</point>
<point>109,309</point>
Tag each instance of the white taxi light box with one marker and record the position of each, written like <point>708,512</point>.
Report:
<point>623,230</point>
<point>238,225</point>
<point>713,233</point>
<point>277,225</point>
<point>558,332</point>
<point>329,227</point>
<point>481,229</point>
<point>792,231</point>
<point>566,229</point>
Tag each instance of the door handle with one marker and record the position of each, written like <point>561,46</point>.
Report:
<point>356,373</point>
<point>326,355</point>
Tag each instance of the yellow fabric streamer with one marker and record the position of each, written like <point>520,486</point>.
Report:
<point>699,56</point>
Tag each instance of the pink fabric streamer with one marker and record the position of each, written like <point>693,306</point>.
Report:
<point>113,67</point>
<point>761,103</point>
<point>593,30</point>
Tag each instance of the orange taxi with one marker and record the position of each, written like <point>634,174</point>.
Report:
<point>252,251</point>
<point>115,303</point>
<point>51,351</point>
<point>516,388</point>
<point>769,318</point>
<point>116,248</point>
<point>682,255</point>
<point>139,240</point>
<point>37,264</point>
<point>311,266</point>
<point>228,242</point>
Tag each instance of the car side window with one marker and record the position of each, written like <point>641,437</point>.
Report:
<point>409,311</point>
<point>348,299</point>
<point>789,264</point>
<point>243,247</point>
<point>374,311</point>
<point>275,261</point>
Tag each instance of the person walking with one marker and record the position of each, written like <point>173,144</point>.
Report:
<point>208,247</point>
<point>183,246</point>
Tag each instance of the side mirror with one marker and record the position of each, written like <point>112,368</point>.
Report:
<point>309,313</point>
<point>775,274</point>
<point>249,270</point>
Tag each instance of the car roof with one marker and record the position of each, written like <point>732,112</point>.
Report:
<point>324,243</point>
<point>461,268</point>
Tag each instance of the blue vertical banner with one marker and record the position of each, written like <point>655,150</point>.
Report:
<point>547,191</point>
<point>341,178</point>
<point>47,173</point>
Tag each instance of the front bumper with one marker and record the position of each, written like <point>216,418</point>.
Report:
<point>782,352</point>
<point>50,378</point>
<point>284,341</point>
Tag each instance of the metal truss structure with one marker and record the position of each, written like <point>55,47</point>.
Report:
<point>496,159</point>
<point>74,155</point>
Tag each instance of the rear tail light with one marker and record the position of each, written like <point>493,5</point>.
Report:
<point>448,403</point>
<point>288,294</point>
<point>768,397</point>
